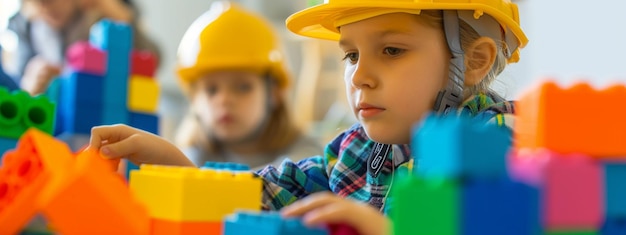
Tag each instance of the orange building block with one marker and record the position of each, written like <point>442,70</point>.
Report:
<point>579,119</point>
<point>93,200</point>
<point>169,227</point>
<point>26,171</point>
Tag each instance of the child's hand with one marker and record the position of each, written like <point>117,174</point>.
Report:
<point>38,75</point>
<point>117,141</point>
<point>327,208</point>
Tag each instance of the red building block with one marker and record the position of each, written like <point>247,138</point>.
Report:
<point>143,63</point>
<point>26,171</point>
<point>83,57</point>
<point>571,188</point>
<point>342,229</point>
<point>93,199</point>
<point>578,119</point>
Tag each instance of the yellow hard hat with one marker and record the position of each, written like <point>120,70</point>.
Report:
<point>229,37</point>
<point>323,21</point>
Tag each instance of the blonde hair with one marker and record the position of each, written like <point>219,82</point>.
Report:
<point>278,133</point>
<point>468,35</point>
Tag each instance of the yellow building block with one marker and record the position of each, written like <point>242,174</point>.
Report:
<point>143,94</point>
<point>192,194</point>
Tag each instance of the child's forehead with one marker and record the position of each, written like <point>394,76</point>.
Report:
<point>385,25</point>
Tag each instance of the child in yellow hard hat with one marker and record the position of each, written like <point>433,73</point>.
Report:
<point>237,92</point>
<point>404,59</point>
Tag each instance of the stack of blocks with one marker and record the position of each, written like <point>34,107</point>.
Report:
<point>460,184</point>
<point>565,174</point>
<point>19,112</point>
<point>183,200</point>
<point>570,144</point>
<point>107,83</point>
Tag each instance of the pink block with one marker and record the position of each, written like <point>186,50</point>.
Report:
<point>528,166</point>
<point>143,63</point>
<point>83,57</point>
<point>574,193</point>
<point>342,229</point>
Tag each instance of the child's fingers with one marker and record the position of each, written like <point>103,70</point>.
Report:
<point>309,203</point>
<point>107,134</point>
<point>328,214</point>
<point>126,147</point>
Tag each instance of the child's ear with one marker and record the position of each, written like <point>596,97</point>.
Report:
<point>479,59</point>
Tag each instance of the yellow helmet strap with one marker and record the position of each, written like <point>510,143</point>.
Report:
<point>451,97</point>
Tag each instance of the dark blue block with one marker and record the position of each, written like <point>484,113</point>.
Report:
<point>614,226</point>
<point>80,119</point>
<point>496,207</point>
<point>615,183</point>
<point>146,122</point>
<point>451,147</point>
<point>82,88</point>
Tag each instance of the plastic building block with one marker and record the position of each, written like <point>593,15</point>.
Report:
<point>499,206</point>
<point>6,145</point>
<point>92,199</point>
<point>19,111</point>
<point>615,185</point>
<point>267,223</point>
<point>228,166</point>
<point>342,229</point>
<point>571,120</point>
<point>26,171</point>
<point>572,190</point>
<point>449,147</point>
<point>81,102</point>
<point>143,94</point>
<point>83,57</point>
<point>116,39</point>
<point>421,206</point>
<point>614,226</point>
<point>146,122</point>
<point>168,227</point>
<point>191,194</point>
<point>143,63</point>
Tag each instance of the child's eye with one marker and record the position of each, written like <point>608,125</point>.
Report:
<point>392,51</point>
<point>244,87</point>
<point>352,57</point>
<point>211,90</point>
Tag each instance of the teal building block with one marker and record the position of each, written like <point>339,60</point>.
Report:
<point>452,147</point>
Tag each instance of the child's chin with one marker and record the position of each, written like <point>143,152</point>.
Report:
<point>384,134</point>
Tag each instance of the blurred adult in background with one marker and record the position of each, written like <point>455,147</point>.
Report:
<point>46,28</point>
<point>232,70</point>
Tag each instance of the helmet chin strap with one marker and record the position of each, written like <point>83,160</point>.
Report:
<point>451,97</point>
<point>269,107</point>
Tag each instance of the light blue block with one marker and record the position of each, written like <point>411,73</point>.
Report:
<point>267,223</point>
<point>451,147</point>
<point>615,180</point>
<point>116,39</point>
<point>227,166</point>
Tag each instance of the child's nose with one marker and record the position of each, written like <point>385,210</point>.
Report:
<point>364,75</point>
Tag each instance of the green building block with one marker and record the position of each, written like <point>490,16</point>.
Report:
<point>421,206</point>
<point>19,111</point>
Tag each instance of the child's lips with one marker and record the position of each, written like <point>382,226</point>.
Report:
<point>367,110</point>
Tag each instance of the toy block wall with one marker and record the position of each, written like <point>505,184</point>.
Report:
<point>267,223</point>
<point>106,82</point>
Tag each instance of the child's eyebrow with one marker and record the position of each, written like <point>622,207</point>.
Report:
<point>380,34</point>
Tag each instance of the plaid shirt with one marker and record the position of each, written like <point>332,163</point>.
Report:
<point>343,169</point>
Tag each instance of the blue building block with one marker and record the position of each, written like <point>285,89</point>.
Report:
<point>229,166</point>
<point>6,145</point>
<point>116,39</point>
<point>80,101</point>
<point>146,122</point>
<point>614,226</point>
<point>19,111</point>
<point>451,147</point>
<point>496,207</point>
<point>267,223</point>
<point>615,176</point>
